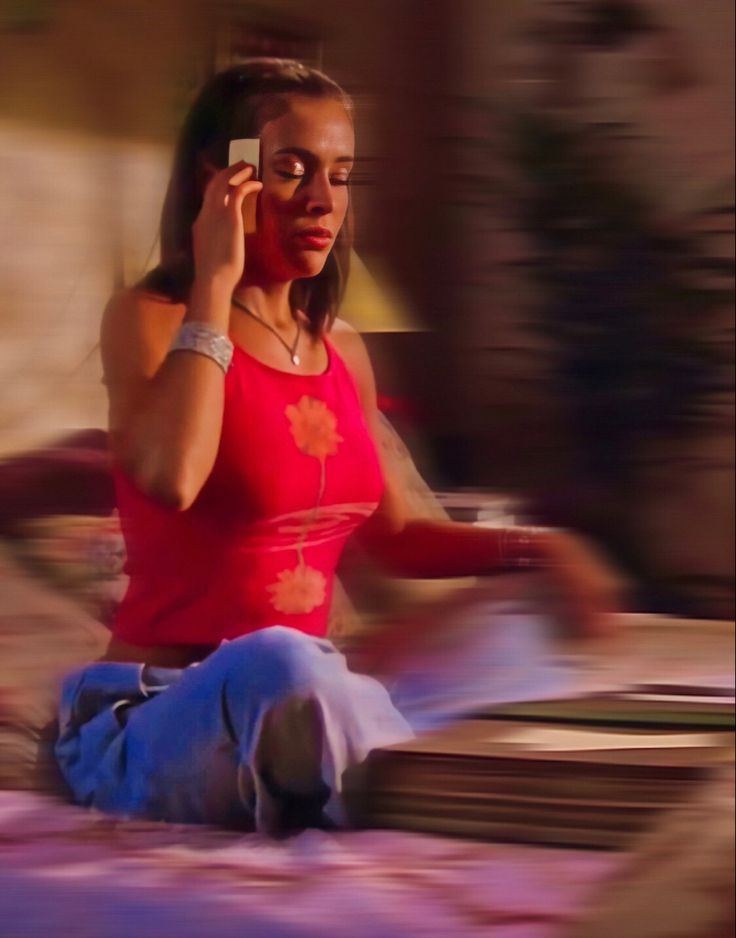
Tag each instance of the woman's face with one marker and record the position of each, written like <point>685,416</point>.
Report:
<point>306,159</point>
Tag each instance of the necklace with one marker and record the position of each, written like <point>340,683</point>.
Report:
<point>291,349</point>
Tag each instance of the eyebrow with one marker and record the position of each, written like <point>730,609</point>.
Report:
<point>308,155</point>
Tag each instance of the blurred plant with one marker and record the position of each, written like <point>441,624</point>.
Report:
<point>631,297</point>
<point>626,299</point>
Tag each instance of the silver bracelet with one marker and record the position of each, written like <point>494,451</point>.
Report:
<point>202,338</point>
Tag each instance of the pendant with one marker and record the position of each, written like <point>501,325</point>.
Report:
<point>295,360</point>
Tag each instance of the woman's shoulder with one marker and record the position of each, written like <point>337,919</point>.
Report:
<point>352,349</point>
<point>138,326</point>
<point>138,312</point>
<point>346,338</point>
<point>140,297</point>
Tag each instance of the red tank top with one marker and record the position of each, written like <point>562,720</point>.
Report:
<point>296,472</point>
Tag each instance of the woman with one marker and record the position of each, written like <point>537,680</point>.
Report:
<point>242,424</point>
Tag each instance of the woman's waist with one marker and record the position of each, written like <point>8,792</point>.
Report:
<point>161,656</point>
<point>204,610</point>
<point>235,577</point>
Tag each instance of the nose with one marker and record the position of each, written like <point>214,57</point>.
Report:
<point>319,195</point>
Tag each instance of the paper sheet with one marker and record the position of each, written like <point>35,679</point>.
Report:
<point>573,739</point>
<point>651,650</point>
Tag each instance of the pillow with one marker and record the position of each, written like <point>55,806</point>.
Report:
<point>43,635</point>
<point>80,555</point>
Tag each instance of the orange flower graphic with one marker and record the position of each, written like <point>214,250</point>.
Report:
<point>299,590</point>
<point>314,427</point>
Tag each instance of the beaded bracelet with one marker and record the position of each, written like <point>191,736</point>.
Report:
<point>202,338</point>
<point>519,547</point>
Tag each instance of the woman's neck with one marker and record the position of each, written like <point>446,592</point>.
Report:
<point>268,301</point>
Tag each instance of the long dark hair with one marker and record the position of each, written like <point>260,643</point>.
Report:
<point>235,104</point>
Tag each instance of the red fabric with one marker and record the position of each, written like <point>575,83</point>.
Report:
<point>296,473</point>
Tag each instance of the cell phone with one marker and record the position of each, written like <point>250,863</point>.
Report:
<point>249,150</point>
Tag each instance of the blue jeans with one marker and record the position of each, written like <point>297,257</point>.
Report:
<point>268,721</point>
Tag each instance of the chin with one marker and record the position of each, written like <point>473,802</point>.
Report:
<point>309,266</point>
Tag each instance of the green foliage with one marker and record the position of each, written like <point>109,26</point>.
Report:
<point>631,304</point>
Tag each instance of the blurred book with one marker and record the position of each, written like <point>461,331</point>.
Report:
<point>536,783</point>
<point>524,738</point>
<point>502,659</point>
<point>652,705</point>
<point>660,672</point>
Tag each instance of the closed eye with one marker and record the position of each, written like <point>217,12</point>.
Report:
<point>336,181</point>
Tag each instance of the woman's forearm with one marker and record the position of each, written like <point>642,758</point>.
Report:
<point>425,549</point>
<point>590,592</point>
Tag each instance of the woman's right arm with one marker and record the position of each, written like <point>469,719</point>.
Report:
<point>166,410</point>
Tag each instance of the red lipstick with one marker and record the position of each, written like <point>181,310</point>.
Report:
<point>316,237</point>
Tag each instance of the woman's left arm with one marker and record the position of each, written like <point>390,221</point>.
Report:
<point>427,548</point>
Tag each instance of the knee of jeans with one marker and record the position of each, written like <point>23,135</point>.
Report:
<point>282,659</point>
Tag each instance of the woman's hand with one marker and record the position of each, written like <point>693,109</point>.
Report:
<point>590,590</point>
<point>218,233</point>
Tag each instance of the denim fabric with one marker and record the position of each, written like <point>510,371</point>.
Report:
<point>199,744</point>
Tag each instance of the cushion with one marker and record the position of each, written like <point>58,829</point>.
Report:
<point>43,635</point>
<point>82,556</point>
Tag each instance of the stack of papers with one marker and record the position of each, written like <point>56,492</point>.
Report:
<point>572,786</point>
<point>523,738</point>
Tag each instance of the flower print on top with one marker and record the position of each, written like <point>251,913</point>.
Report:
<point>314,428</point>
<point>302,589</point>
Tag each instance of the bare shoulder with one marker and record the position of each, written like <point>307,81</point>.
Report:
<point>349,343</point>
<point>137,329</point>
<point>345,336</point>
